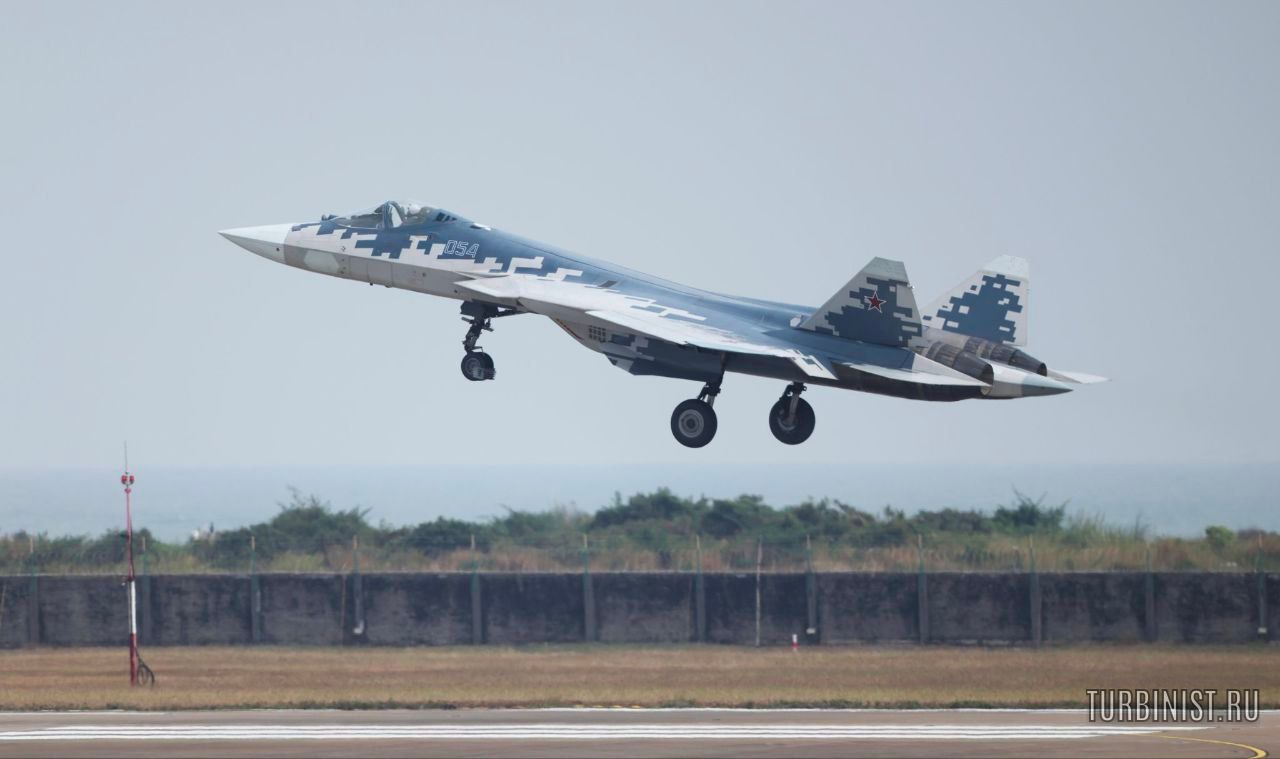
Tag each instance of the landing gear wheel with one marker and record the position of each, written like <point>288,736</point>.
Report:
<point>477,366</point>
<point>693,423</point>
<point>789,428</point>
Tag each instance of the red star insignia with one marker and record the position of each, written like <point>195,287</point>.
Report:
<point>874,302</point>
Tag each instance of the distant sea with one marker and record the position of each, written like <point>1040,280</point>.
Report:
<point>1170,500</point>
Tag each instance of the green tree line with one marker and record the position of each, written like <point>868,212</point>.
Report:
<point>664,531</point>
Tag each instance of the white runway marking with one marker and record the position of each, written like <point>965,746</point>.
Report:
<point>816,732</point>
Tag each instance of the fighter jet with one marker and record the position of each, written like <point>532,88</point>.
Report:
<point>869,336</point>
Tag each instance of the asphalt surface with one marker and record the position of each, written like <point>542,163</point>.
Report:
<point>623,732</point>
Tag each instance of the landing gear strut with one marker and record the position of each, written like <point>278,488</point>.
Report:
<point>791,419</point>
<point>476,364</point>
<point>694,421</point>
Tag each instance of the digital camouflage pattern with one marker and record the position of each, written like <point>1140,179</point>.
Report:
<point>870,336</point>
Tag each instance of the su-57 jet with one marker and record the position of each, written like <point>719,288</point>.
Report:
<point>868,336</point>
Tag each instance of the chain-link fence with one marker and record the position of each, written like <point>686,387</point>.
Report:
<point>243,552</point>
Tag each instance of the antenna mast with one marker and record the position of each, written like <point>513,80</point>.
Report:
<point>137,668</point>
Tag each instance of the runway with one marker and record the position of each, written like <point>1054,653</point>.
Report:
<point>622,732</point>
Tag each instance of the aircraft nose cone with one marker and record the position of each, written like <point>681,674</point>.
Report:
<point>267,241</point>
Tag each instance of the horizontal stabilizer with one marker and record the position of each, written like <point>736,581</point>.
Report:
<point>922,371</point>
<point>1011,382</point>
<point>990,304</point>
<point>876,306</point>
<point>1079,378</point>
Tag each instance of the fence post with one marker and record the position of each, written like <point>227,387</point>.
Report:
<point>588,598</point>
<point>477,628</point>
<point>357,591</point>
<point>33,596</point>
<point>1034,587</point>
<point>699,595</point>
<point>811,592</point>
<point>1149,588</point>
<point>1262,591</point>
<point>255,593</point>
<point>759,561</point>
<point>922,593</point>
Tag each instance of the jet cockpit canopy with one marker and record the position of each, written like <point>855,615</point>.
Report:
<point>390,215</point>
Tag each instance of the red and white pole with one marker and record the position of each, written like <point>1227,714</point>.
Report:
<point>126,479</point>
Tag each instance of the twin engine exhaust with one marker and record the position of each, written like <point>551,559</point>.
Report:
<point>1007,371</point>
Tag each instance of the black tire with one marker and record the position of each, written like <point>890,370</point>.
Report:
<point>801,427</point>
<point>693,423</point>
<point>477,366</point>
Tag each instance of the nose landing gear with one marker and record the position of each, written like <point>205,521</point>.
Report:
<point>791,420</point>
<point>477,365</point>
<point>693,423</point>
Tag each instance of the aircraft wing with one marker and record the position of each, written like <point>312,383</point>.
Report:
<point>711,339</point>
<point>642,316</point>
<point>574,302</point>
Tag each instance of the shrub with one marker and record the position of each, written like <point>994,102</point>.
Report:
<point>1218,537</point>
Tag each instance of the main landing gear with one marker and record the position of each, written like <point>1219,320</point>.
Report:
<point>694,421</point>
<point>477,365</point>
<point>791,419</point>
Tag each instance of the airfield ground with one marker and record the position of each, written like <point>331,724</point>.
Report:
<point>544,676</point>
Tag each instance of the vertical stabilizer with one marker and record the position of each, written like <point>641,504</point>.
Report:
<point>876,306</point>
<point>990,304</point>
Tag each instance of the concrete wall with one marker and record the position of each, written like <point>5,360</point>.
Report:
<point>15,606</point>
<point>186,610</point>
<point>417,609</point>
<point>979,607</point>
<point>646,607</point>
<point>305,609</point>
<point>532,608</point>
<point>731,607</point>
<point>1094,606</point>
<point>824,608</point>
<point>868,607</point>
<point>82,611</point>
<point>1219,608</point>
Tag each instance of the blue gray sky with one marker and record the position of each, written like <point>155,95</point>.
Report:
<point>1128,150</point>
